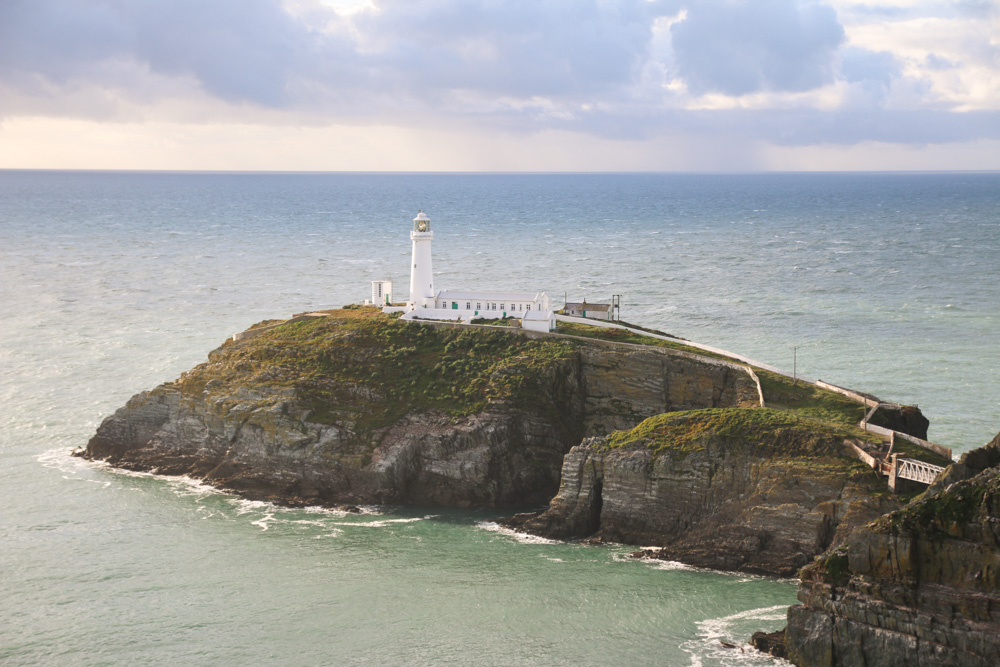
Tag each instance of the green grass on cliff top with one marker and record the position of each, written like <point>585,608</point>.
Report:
<point>763,432</point>
<point>773,432</point>
<point>780,392</point>
<point>378,369</point>
<point>623,336</point>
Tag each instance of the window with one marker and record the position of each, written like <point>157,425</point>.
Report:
<point>528,307</point>
<point>479,306</point>
<point>501,306</point>
<point>468,305</point>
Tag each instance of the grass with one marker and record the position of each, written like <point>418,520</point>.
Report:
<point>908,450</point>
<point>623,336</point>
<point>808,400</point>
<point>780,392</point>
<point>498,322</point>
<point>773,432</point>
<point>378,369</point>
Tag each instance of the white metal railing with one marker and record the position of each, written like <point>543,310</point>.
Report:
<point>918,471</point>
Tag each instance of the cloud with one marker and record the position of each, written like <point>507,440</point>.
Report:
<point>236,50</point>
<point>738,47</point>
<point>255,51</point>
<point>780,71</point>
<point>864,65</point>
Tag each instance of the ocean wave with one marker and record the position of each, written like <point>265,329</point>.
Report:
<point>523,538</point>
<point>382,523</point>
<point>733,630</point>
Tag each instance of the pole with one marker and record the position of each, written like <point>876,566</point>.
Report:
<point>795,369</point>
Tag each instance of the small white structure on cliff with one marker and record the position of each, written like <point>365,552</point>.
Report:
<point>531,308</point>
<point>382,292</point>
<point>595,311</point>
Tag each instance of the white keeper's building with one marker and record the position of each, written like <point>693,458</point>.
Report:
<point>531,308</point>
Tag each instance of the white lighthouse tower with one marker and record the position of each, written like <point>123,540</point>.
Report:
<point>421,275</point>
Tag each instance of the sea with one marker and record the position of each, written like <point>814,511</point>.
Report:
<point>113,282</point>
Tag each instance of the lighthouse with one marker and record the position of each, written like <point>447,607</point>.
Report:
<point>421,275</point>
<point>530,309</point>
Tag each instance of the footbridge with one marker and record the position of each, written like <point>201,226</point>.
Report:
<point>891,465</point>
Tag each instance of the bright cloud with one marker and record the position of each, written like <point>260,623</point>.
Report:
<point>731,76</point>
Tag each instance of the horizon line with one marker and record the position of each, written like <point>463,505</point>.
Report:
<point>494,172</point>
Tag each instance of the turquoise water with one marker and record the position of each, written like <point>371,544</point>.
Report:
<point>112,283</point>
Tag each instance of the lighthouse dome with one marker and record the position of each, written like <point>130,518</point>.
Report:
<point>421,223</point>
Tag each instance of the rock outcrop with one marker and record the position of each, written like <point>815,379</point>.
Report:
<point>918,586</point>
<point>752,490</point>
<point>903,418</point>
<point>357,407</point>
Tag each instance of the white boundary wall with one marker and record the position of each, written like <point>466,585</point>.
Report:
<point>680,341</point>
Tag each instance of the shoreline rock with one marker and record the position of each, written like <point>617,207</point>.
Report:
<point>749,490</point>
<point>918,586</point>
<point>358,408</point>
<point>772,643</point>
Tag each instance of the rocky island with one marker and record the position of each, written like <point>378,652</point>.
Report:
<point>355,407</point>
<point>623,438</point>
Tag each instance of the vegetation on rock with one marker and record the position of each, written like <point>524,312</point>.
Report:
<point>780,392</point>
<point>379,369</point>
<point>787,433</point>
<point>918,585</point>
<point>945,513</point>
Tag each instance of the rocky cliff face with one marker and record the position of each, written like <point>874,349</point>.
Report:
<point>919,586</point>
<point>359,408</point>
<point>754,490</point>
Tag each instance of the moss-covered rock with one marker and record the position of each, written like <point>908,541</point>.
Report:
<point>747,489</point>
<point>918,586</point>
<point>357,406</point>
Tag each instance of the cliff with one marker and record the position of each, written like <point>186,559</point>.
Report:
<point>753,490</point>
<point>919,586</point>
<point>356,407</point>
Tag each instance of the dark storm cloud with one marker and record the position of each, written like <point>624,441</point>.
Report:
<point>737,47</point>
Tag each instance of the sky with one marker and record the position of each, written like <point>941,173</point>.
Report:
<point>500,85</point>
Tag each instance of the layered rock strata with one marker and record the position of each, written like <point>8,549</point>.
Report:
<point>359,408</point>
<point>752,490</point>
<point>919,586</point>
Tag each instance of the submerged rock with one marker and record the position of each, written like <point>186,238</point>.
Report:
<point>918,586</point>
<point>752,490</point>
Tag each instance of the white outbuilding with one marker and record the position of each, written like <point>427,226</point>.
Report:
<point>492,304</point>
<point>539,320</point>
<point>382,292</point>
